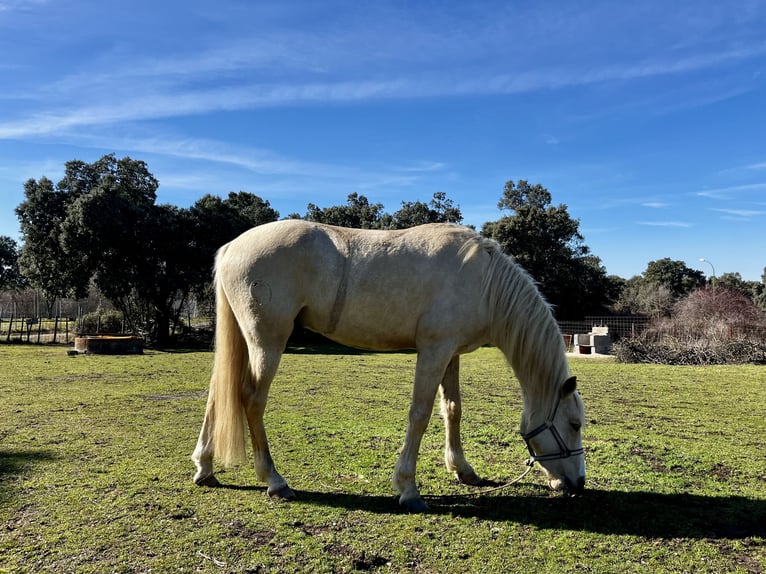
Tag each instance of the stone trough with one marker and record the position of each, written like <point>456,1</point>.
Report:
<point>109,345</point>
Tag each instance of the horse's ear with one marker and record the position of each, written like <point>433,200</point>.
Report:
<point>569,386</point>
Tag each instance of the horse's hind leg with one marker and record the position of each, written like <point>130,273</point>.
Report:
<point>203,453</point>
<point>264,363</point>
<point>451,409</point>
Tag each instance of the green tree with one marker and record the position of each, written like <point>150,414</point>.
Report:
<point>734,282</point>
<point>759,292</point>
<point>102,223</point>
<point>10,275</point>
<point>545,240</point>
<point>358,213</point>
<point>675,276</point>
<point>215,221</point>
<point>123,238</point>
<point>43,260</point>
<point>439,210</point>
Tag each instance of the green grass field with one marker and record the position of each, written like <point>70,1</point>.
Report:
<point>95,473</point>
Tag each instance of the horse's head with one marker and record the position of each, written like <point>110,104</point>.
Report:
<point>556,443</point>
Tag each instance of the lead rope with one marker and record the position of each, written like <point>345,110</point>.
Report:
<point>529,462</point>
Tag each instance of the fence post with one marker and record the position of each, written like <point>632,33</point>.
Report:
<point>10,328</point>
<point>55,328</point>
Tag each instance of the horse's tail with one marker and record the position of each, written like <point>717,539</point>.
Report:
<point>231,373</point>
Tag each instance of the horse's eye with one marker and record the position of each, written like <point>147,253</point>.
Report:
<point>576,426</point>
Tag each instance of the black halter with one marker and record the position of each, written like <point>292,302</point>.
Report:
<point>564,451</point>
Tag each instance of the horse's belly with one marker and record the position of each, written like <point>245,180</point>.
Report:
<point>372,331</point>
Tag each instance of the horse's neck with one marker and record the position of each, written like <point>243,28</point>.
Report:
<point>533,346</point>
<point>540,373</point>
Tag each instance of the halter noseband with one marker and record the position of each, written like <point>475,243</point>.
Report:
<point>564,451</point>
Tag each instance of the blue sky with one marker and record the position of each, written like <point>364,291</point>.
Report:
<point>647,119</point>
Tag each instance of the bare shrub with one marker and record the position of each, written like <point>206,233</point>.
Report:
<point>708,327</point>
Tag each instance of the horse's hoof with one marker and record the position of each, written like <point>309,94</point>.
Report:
<point>470,479</point>
<point>475,480</point>
<point>284,492</point>
<point>209,480</point>
<point>414,505</point>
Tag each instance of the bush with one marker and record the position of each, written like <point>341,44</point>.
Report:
<point>101,322</point>
<point>708,327</point>
<point>675,351</point>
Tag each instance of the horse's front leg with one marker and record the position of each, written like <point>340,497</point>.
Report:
<point>428,373</point>
<point>451,409</point>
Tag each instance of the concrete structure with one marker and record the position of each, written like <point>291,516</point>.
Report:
<point>597,341</point>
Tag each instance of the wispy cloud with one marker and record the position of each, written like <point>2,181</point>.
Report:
<point>655,204</point>
<point>422,166</point>
<point>155,106</point>
<point>731,191</point>
<point>741,213</point>
<point>678,224</point>
<point>266,166</point>
<point>286,68</point>
<point>17,5</point>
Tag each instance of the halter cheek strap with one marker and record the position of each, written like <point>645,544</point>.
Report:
<point>564,451</point>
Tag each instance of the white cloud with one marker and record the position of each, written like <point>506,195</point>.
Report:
<point>728,192</point>
<point>291,68</point>
<point>19,5</point>
<point>742,213</point>
<point>422,166</point>
<point>678,224</point>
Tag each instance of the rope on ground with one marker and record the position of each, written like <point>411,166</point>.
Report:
<point>502,486</point>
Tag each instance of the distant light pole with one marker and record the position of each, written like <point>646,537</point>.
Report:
<point>703,260</point>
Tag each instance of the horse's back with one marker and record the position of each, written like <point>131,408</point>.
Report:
<point>366,288</point>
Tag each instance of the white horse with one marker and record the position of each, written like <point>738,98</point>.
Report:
<point>440,289</point>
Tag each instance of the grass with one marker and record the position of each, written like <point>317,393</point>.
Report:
<point>95,473</point>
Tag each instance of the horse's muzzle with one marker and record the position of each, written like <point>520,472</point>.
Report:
<point>577,487</point>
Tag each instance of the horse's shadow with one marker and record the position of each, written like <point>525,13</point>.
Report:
<point>646,514</point>
<point>14,462</point>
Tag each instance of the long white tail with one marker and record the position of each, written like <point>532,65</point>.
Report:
<point>231,372</point>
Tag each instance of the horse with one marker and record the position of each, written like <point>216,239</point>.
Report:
<point>440,289</point>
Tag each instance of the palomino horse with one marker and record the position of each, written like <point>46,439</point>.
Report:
<point>439,289</point>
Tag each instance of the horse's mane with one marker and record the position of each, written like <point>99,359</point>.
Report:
<point>523,327</point>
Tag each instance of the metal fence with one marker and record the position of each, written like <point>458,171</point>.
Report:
<point>37,329</point>
<point>619,325</point>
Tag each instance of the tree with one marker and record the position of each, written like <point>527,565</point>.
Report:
<point>675,275</point>
<point>734,281</point>
<point>759,292</point>
<point>102,223</point>
<point>358,213</point>
<point>439,210</point>
<point>215,221</point>
<point>654,292</point>
<point>545,240</point>
<point>114,225</point>
<point>10,275</point>
<point>43,260</point>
